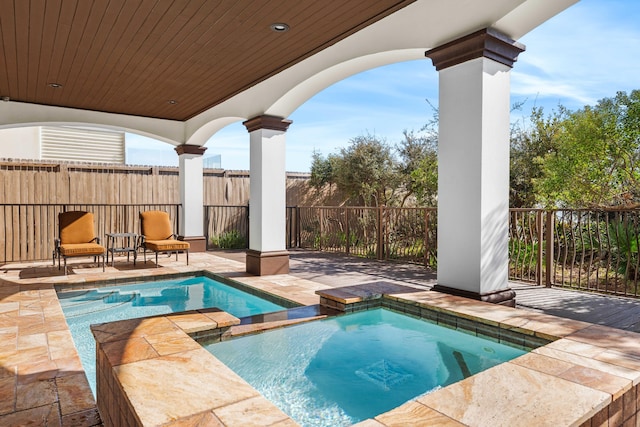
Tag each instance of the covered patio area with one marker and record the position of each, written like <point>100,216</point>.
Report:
<point>597,365</point>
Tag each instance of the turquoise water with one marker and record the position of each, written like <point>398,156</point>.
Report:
<point>342,370</point>
<point>87,307</point>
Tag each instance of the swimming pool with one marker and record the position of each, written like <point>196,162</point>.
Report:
<point>107,304</point>
<point>342,370</point>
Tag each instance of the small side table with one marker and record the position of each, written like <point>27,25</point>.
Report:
<point>120,243</point>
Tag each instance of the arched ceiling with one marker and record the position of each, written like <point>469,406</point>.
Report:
<point>180,69</point>
<point>135,57</point>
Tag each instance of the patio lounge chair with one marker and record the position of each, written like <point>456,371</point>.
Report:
<point>157,236</point>
<point>77,238</point>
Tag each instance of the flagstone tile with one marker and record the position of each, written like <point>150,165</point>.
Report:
<point>47,415</point>
<point>221,318</point>
<point>69,365</point>
<point>8,339</point>
<point>32,371</point>
<point>369,423</point>
<point>178,392</point>
<point>254,411</point>
<point>415,414</point>
<point>75,394</point>
<point>593,378</point>
<point>577,347</point>
<point>480,400</point>
<point>207,419</point>
<point>28,355</point>
<point>588,362</point>
<point>128,350</point>
<point>192,321</point>
<point>86,418</point>
<point>124,329</point>
<point>33,340</point>
<point>620,359</point>
<point>542,363</point>
<point>8,392</point>
<point>10,307</point>
<point>166,347</point>
<point>609,338</point>
<point>60,344</point>
<point>36,393</point>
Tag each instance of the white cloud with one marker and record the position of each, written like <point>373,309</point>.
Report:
<point>586,53</point>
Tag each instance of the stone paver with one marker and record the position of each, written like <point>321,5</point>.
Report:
<point>42,381</point>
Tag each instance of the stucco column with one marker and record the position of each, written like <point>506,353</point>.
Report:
<point>473,165</point>
<point>191,196</point>
<point>267,252</point>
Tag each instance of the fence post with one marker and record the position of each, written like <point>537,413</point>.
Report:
<point>206,227</point>
<point>549,249</point>
<point>298,236</point>
<point>346,228</point>
<point>248,210</point>
<point>539,257</point>
<point>426,237</point>
<point>379,234</point>
<point>321,228</point>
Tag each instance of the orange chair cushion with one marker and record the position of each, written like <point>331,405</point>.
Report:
<point>167,245</point>
<point>81,249</point>
<point>76,227</point>
<point>155,225</point>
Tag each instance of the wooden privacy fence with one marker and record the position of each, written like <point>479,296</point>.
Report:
<point>226,227</point>
<point>28,231</point>
<point>38,182</point>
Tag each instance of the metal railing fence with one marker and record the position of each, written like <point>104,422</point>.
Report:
<point>403,234</point>
<point>595,250</point>
<point>574,248</point>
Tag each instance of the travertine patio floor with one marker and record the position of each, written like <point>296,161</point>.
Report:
<point>42,381</point>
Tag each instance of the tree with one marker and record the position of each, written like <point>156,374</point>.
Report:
<point>595,161</point>
<point>418,167</point>
<point>321,170</point>
<point>531,142</point>
<point>366,170</point>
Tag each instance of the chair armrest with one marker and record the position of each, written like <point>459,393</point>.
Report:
<point>57,243</point>
<point>179,237</point>
<point>95,239</point>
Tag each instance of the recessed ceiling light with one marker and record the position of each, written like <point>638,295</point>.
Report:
<point>172,101</point>
<point>55,85</point>
<point>279,27</point>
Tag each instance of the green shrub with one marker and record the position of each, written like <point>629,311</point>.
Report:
<point>229,240</point>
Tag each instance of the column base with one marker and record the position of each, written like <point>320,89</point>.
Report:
<point>267,263</point>
<point>503,297</point>
<point>197,243</point>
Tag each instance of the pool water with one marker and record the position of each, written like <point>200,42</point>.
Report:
<point>108,304</point>
<point>342,370</point>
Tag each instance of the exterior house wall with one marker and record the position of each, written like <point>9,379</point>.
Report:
<point>20,143</point>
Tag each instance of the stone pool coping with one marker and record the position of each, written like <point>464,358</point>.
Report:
<point>587,376</point>
<point>43,379</point>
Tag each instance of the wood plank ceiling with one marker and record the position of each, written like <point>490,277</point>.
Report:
<point>168,59</point>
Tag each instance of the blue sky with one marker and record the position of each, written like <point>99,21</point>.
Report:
<point>588,52</point>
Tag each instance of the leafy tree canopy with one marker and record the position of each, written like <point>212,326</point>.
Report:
<point>595,157</point>
<point>585,158</point>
